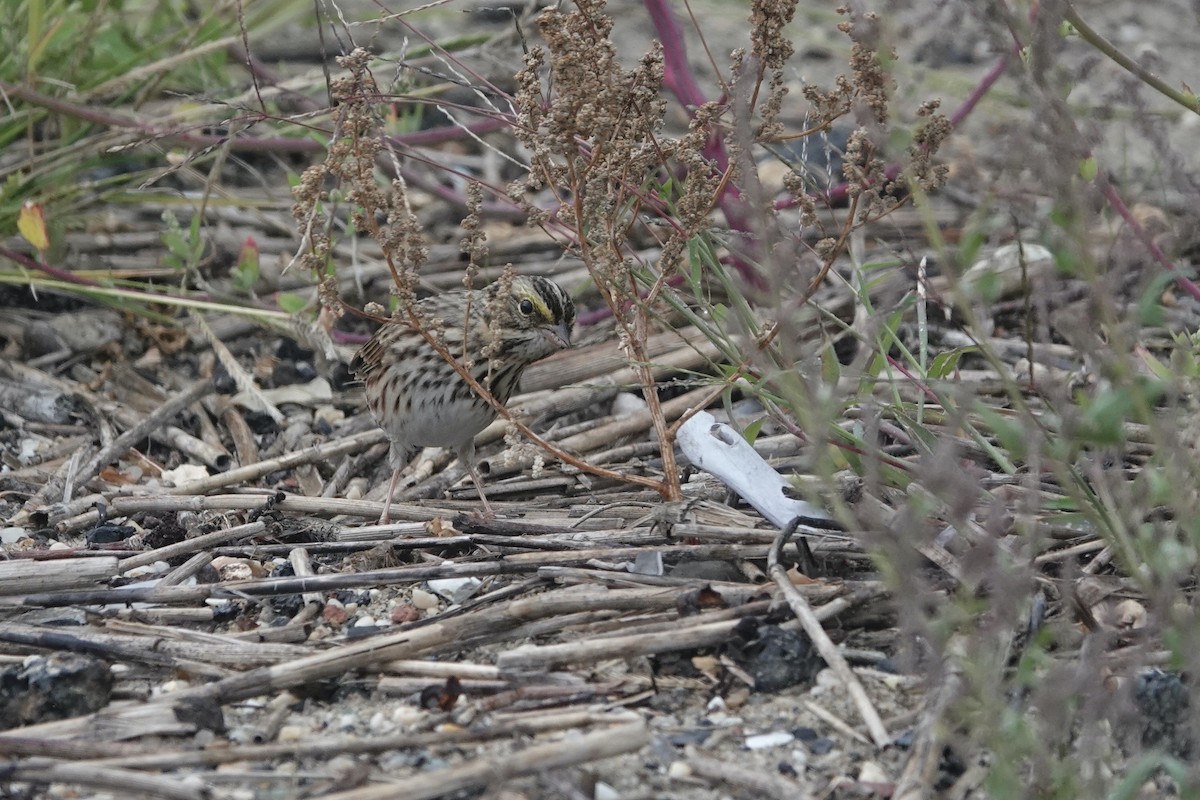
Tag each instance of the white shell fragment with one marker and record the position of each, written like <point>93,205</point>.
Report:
<point>717,448</point>
<point>424,600</point>
<point>761,741</point>
<point>184,473</point>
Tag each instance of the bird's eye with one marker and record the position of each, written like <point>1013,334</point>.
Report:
<point>526,307</point>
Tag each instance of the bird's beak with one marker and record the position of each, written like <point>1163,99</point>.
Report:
<point>563,334</point>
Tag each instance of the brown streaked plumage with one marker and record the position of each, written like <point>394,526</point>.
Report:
<point>421,401</point>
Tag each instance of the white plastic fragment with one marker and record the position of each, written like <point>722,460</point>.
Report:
<point>717,448</point>
<point>456,590</point>
<point>647,562</point>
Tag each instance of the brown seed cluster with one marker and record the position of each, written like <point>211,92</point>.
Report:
<point>593,127</point>
<point>347,176</point>
<point>767,21</point>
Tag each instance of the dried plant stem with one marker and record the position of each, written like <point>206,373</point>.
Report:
<point>259,498</point>
<point>170,647</point>
<point>920,769</point>
<point>483,772</point>
<point>761,783</point>
<point>699,633</point>
<point>825,646</point>
<point>23,577</point>
<point>123,782</point>
<point>193,545</point>
<point>136,757</point>
<point>310,455</point>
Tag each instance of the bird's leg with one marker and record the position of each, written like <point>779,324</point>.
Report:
<point>398,457</point>
<point>487,507</point>
<point>385,517</point>
<point>466,455</point>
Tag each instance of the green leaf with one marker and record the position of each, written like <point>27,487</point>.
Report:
<point>1011,433</point>
<point>291,303</point>
<point>969,246</point>
<point>752,430</point>
<point>1105,417</point>
<point>1150,310</point>
<point>1088,168</point>
<point>945,363</point>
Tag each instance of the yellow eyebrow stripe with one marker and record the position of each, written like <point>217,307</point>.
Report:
<point>539,305</point>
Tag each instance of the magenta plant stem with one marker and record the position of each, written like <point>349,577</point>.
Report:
<point>1110,194</point>
<point>678,78</point>
<point>41,266</point>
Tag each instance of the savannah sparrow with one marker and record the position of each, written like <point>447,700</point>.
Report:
<point>421,401</point>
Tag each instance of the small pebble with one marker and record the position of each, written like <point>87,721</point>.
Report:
<point>405,612</point>
<point>291,733</point>
<point>626,404</point>
<point>340,765</point>
<point>28,451</point>
<point>605,792</point>
<point>157,568</point>
<point>424,600</point>
<point>237,569</point>
<point>819,747</point>
<point>679,769</point>
<point>761,741</point>
<point>328,415</point>
<point>12,535</point>
<point>870,772</point>
<point>804,734</point>
<point>334,613</point>
<point>827,679</point>
<point>407,716</point>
